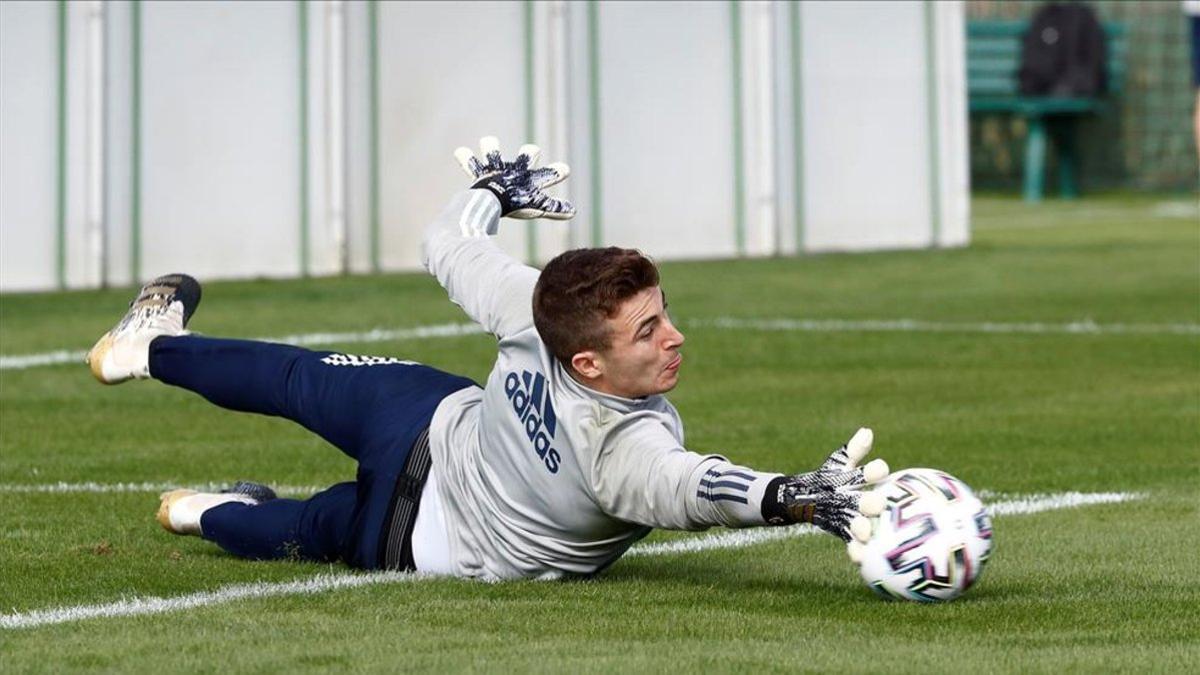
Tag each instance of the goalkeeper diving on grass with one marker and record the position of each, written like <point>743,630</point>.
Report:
<point>567,455</point>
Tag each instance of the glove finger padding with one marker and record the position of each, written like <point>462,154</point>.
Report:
<point>873,472</point>
<point>468,162</point>
<point>527,157</point>
<point>552,174</point>
<point>871,503</point>
<point>856,550</point>
<point>841,513</point>
<point>849,455</point>
<point>833,514</point>
<point>489,147</point>
<point>861,527</point>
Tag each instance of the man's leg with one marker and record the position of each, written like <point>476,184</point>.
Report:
<point>372,408</point>
<point>337,403</point>
<point>313,529</point>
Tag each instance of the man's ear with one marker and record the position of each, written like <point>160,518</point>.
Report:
<point>589,365</point>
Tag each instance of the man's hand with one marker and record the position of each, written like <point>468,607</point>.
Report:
<point>841,467</point>
<point>831,497</point>
<point>517,184</point>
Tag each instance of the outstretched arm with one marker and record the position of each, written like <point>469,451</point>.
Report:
<point>649,479</point>
<point>494,289</point>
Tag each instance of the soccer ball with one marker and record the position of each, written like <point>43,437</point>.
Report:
<point>931,541</point>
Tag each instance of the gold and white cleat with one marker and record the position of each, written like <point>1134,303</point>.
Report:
<point>180,510</point>
<point>162,307</point>
<point>170,499</point>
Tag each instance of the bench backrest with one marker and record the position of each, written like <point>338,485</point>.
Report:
<point>994,56</point>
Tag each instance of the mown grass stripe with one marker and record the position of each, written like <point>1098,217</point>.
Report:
<point>445,330</point>
<point>1083,327</point>
<point>19,362</point>
<point>1016,505</point>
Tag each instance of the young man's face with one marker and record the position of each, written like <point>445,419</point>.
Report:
<point>643,357</point>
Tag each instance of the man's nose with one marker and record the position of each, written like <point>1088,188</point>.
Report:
<point>674,338</point>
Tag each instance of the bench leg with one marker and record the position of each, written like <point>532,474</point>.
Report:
<point>1068,158</point>
<point>1035,159</point>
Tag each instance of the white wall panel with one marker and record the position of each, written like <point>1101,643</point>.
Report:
<point>950,73</point>
<point>84,194</point>
<point>865,125</point>
<point>551,115</point>
<point>790,221</point>
<point>577,94</point>
<point>221,139</point>
<point>28,129</point>
<point>868,152</point>
<point>118,141</point>
<point>358,126</point>
<point>449,74</point>
<point>667,127</point>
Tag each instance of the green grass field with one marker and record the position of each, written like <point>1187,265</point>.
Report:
<point>1108,587</point>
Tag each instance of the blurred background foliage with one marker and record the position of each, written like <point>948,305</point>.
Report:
<point>1142,141</point>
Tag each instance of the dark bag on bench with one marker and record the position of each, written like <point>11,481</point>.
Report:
<point>1063,54</point>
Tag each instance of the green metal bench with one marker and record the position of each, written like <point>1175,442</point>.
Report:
<point>993,59</point>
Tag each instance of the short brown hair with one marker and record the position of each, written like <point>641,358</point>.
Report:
<point>580,289</point>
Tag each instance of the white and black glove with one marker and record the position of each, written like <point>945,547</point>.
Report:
<point>517,184</point>
<point>831,497</point>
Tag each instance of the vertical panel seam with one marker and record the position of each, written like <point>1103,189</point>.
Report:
<point>304,187</point>
<point>105,149</point>
<point>593,45</point>
<point>739,169</point>
<point>531,248</point>
<point>135,146</point>
<point>60,178</point>
<point>373,132</point>
<point>935,192</point>
<point>797,127</point>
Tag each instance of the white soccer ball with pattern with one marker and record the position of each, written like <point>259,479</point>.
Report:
<point>931,541</point>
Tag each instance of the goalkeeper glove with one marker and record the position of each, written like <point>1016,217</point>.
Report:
<point>831,497</point>
<point>517,184</point>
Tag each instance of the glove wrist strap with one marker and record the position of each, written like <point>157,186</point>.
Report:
<point>496,189</point>
<point>782,506</point>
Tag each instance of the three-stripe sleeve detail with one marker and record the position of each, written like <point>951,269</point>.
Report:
<point>480,215</point>
<point>729,486</point>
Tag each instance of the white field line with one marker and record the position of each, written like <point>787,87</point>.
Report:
<point>1011,505</point>
<point>215,486</point>
<point>446,330</point>
<point>1015,505</point>
<point>154,605</point>
<point>1020,505</point>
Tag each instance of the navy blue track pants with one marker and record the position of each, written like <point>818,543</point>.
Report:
<point>371,408</point>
